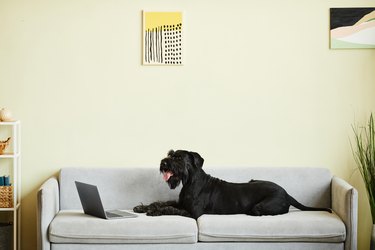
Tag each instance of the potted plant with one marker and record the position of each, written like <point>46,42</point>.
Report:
<point>364,155</point>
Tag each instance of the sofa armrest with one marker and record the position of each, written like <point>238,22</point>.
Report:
<point>345,205</point>
<point>48,206</point>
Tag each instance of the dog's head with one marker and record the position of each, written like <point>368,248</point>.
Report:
<point>179,165</point>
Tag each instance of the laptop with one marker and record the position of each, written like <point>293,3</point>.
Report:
<point>92,204</point>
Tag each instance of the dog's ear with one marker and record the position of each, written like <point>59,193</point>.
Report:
<point>171,152</point>
<point>198,160</point>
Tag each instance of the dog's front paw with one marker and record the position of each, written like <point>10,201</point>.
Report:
<point>140,209</point>
<point>154,213</point>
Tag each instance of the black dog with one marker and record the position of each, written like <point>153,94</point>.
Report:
<point>203,194</point>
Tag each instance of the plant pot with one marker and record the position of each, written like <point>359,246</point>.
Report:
<point>372,245</point>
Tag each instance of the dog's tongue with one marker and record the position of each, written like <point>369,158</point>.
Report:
<point>167,175</point>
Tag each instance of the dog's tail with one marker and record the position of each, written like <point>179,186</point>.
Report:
<point>298,205</point>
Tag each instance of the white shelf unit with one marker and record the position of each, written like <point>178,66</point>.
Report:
<point>14,154</point>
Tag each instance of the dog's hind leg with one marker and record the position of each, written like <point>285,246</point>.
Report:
<point>270,206</point>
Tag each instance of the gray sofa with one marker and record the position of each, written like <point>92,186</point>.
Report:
<point>63,226</point>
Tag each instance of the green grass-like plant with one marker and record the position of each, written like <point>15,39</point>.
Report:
<point>364,155</point>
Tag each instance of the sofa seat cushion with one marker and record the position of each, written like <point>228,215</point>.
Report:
<point>76,227</point>
<point>306,226</point>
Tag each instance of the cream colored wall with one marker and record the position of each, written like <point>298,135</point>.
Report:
<point>259,87</point>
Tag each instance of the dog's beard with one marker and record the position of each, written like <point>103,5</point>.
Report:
<point>173,182</point>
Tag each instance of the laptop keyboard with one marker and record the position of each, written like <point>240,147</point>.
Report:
<point>118,213</point>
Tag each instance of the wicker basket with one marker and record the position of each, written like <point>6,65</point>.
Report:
<point>4,145</point>
<point>6,196</point>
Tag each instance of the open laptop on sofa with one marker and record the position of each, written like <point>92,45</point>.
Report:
<point>92,204</point>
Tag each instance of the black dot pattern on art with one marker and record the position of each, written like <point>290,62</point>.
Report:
<point>173,45</point>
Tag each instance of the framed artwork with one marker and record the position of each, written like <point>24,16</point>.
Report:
<point>162,38</point>
<point>352,28</point>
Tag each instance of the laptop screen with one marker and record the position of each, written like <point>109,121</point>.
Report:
<point>90,199</point>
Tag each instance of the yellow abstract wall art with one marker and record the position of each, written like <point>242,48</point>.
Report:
<point>162,38</point>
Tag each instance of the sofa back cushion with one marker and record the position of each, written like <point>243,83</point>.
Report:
<point>124,188</point>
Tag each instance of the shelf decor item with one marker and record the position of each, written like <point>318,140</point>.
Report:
<point>4,145</point>
<point>5,115</point>
<point>162,38</point>
<point>6,196</point>
<point>364,155</point>
<point>352,28</point>
<point>5,235</point>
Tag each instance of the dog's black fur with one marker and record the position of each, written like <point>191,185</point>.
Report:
<point>204,194</point>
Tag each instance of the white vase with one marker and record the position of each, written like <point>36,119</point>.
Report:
<point>372,245</point>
